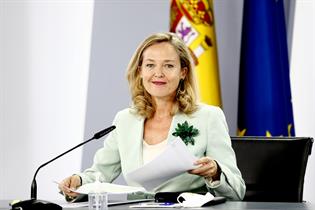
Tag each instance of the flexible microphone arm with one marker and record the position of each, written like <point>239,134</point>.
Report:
<point>96,136</point>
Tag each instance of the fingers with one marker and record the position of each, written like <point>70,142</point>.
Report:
<point>203,160</point>
<point>68,185</point>
<point>207,168</point>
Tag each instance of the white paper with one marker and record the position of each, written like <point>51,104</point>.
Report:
<point>107,187</point>
<point>98,186</point>
<point>67,205</point>
<point>173,161</point>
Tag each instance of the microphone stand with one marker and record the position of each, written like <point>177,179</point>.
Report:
<point>33,203</point>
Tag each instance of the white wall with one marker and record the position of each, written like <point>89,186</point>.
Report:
<point>45,50</point>
<point>303,83</point>
<point>2,158</point>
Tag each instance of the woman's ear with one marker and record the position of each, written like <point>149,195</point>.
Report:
<point>183,72</point>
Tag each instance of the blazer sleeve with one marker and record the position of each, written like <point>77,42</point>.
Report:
<point>106,160</point>
<point>219,148</point>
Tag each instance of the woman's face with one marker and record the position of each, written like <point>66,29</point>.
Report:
<point>161,71</point>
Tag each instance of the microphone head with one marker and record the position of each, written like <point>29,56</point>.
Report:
<point>102,133</point>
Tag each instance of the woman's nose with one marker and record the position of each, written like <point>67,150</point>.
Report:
<point>159,72</point>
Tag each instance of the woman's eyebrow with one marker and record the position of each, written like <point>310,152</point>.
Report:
<point>169,60</point>
<point>153,60</point>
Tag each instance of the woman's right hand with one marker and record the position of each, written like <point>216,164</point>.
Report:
<point>68,185</point>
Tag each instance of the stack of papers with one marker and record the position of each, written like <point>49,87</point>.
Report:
<point>107,187</point>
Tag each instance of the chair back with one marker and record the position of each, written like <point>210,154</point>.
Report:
<point>273,168</point>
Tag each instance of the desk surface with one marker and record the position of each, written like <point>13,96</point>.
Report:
<point>230,205</point>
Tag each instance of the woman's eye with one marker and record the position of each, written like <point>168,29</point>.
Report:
<point>169,66</point>
<point>149,65</point>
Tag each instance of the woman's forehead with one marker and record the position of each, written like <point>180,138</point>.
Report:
<point>161,51</point>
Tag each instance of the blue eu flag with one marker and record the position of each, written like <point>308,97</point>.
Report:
<point>264,106</point>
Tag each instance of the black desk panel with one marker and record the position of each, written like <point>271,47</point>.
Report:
<point>230,205</point>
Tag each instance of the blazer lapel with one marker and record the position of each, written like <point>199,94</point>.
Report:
<point>133,150</point>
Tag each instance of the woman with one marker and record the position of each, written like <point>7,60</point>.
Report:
<point>163,88</point>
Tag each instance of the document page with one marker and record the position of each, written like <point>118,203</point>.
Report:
<point>173,161</point>
<point>107,187</point>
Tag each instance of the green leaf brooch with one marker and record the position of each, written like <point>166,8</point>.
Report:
<point>186,133</point>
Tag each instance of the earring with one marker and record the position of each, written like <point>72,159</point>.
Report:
<point>181,88</point>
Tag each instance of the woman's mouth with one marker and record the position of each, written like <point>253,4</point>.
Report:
<point>159,82</point>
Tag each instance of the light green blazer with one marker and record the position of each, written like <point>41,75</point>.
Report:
<point>122,152</point>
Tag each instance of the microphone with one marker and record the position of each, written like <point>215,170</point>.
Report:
<point>33,203</point>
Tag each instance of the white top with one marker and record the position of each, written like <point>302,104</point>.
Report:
<point>152,151</point>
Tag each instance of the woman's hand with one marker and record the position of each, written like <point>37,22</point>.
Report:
<point>69,184</point>
<point>208,168</point>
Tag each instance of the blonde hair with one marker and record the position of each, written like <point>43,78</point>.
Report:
<point>186,97</point>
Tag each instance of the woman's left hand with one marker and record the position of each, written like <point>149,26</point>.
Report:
<point>208,168</point>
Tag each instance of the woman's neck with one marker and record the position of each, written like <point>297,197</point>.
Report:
<point>163,109</point>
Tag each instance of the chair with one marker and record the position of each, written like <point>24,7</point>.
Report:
<point>273,168</point>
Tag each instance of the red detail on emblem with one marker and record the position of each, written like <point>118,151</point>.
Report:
<point>176,15</point>
<point>197,12</point>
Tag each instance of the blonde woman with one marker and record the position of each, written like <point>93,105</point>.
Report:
<point>163,90</point>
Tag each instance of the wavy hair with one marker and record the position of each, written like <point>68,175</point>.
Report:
<point>186,96</point>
